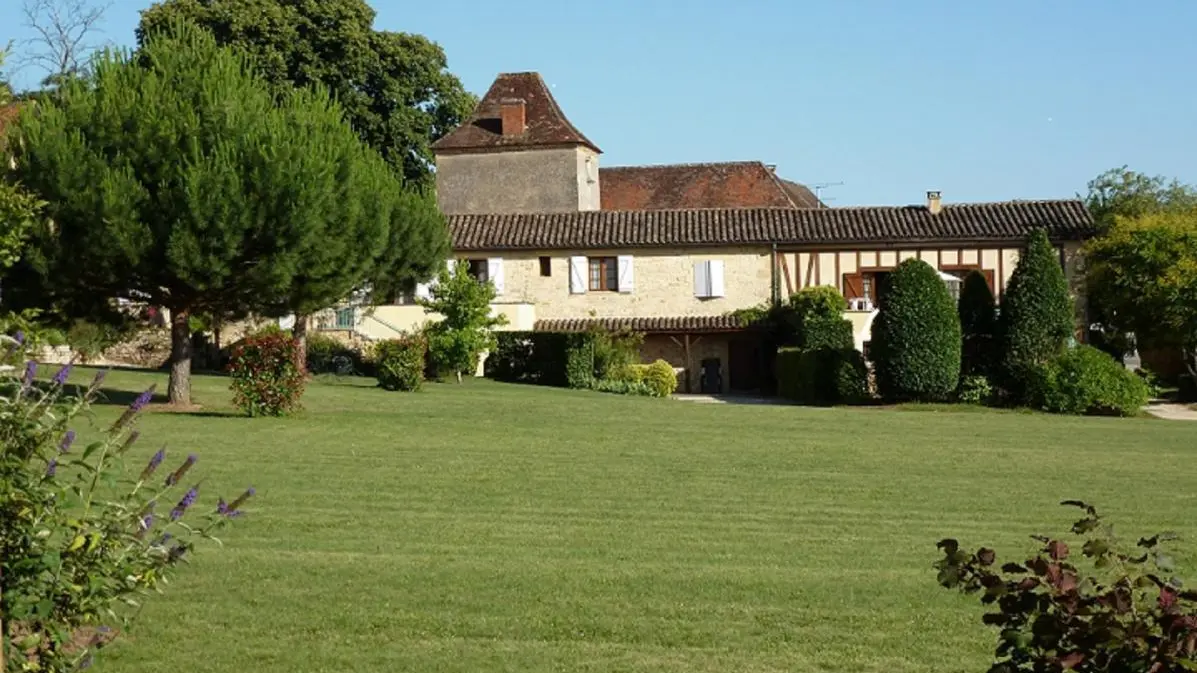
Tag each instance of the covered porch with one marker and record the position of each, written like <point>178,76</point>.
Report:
<point>714,355</point>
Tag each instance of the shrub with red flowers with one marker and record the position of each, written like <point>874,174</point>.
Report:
<point>1113,607</point>
<point>87,528</point>
<point>267,380</point>
<point>400,362</point>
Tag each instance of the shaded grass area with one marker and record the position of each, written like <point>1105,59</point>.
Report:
<point>489,527</point>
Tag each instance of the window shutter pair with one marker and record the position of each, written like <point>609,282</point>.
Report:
<point>579,274</point>
<point>708,279</point>
<point>853,286</point>
<point>494,273</point>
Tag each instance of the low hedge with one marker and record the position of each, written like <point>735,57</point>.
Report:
<point>543,358</point>
<point>264,373</point>
<point>400,363</point>
<point>827,332</point>
<point>325,355</point>
<point>1086,380</point>
<point>822,376</point>
<point>658,377</point>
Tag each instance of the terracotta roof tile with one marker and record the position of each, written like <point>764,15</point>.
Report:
<point>1008,221</point>
<point>737,184</point>
<point>695,323</point>
<point>545,123</point>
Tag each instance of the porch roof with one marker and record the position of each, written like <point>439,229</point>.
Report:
<point>695,324</point>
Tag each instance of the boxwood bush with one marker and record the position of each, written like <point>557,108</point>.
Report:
<point>916,340</point>
<point>1086,380</point>
<point>978,326</point>
<point>400,363</point>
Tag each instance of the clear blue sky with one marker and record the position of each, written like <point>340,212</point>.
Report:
<point>982,99</point>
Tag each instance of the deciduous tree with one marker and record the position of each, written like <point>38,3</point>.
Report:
<point>1145,271</point>
<point>395,87</point>
<point>174,176</point>
<point>465,331</point>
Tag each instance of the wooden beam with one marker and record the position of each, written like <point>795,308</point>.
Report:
<point>689,364</point>
<point>1001,275</point>
<point>810,269</point>
<point>785,273</point>
<point>837,273</point>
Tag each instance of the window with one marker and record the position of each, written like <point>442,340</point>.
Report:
<point>546,266</point>
<point>961,271</point>
<point>603,275</point>
<point>344,318</point>
<point>870,284</point>
<point>478,269</point>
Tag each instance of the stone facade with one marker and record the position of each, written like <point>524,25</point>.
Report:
<point>663,283</point>
<point>532,180</point>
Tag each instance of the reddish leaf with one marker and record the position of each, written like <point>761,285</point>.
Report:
<point>1071,660</point>
<point>1058,550</point>
<point>1028,584</point>
<point>985,556</point>
<point>1167,598</point>
<point>1067,582</point>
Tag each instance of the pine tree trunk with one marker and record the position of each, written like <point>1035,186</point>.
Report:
<point>3,635</point>
<point>300,334</point>
<point>180,357</point>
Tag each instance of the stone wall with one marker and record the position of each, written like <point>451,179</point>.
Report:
<point>555,179</point>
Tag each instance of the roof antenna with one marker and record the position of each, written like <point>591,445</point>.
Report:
<point>817,187</point>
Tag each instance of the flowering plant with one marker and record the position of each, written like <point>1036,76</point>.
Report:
<point>266,377</point>
<point>82,538</point>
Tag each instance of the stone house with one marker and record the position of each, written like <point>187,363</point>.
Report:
<point>671,250</point>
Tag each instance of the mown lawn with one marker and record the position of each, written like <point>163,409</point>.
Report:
<point>487,527</point>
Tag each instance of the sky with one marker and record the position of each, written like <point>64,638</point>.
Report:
<point>874,102</point>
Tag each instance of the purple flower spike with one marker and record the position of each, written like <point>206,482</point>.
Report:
<point>187,501</point>
<point>67,440</point>
<point>19,337</point>
<point>142,400</point>
<point>52,468</point>
<point>99,378</point>
<point>155,461</point>
<point>233,508</point>
<point>30,372</point>
<point>174,477</point>
<point>222,507</point>
<point>61,377</point>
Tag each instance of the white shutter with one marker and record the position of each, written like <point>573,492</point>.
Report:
<point>577,275</point>
<point>715,274</point>
<point>702,280</point>
<point>424,290</point>
<point>625,280</point>
<point>494,273</point>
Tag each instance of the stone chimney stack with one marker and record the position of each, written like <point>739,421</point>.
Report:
<point>934,205</point>
<point>514,116</point>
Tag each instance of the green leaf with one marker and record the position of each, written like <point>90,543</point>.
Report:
<point>92,449</point>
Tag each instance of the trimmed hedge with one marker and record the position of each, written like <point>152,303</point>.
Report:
<point>400,363</point>
<point>542,358</point>
<point>1037,316</point>
<point>827,332</point>
<point>916,337</point>
<point>323,353</point>
<point>1086,380</point>
<point>822,376</point>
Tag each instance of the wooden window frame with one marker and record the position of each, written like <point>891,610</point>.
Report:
<point>608,274</point>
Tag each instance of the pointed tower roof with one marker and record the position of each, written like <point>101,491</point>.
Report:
<point>543,124</point>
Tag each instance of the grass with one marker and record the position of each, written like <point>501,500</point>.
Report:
<point>486,527</point>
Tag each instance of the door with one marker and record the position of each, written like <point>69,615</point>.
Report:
<point>744,365</point>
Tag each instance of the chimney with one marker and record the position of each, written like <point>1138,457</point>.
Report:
<point>514,117</point>
<point>933,203</point>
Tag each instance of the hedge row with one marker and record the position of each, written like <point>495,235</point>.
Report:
<point>828,370</point>
<point>542,358</point>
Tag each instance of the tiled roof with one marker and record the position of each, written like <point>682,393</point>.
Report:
<point>1007,222</point>
<point>694,323</point>
<point>545,123</point>
<point>736,184</point>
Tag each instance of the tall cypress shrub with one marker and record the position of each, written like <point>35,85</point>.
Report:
<point>916,336</point>
<point>978,326</point>
<point>1037,315</point>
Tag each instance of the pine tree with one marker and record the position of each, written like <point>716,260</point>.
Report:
<point>176,176</point>
<point>1037,315</point>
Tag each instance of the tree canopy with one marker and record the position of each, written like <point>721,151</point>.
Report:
<point>395,87</point>
<point>465,331</point>
<point>1145,271</point>
<point>174,176</point>
<point>1121,192</point>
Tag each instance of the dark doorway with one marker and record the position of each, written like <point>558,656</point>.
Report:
<point>745,365</point>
